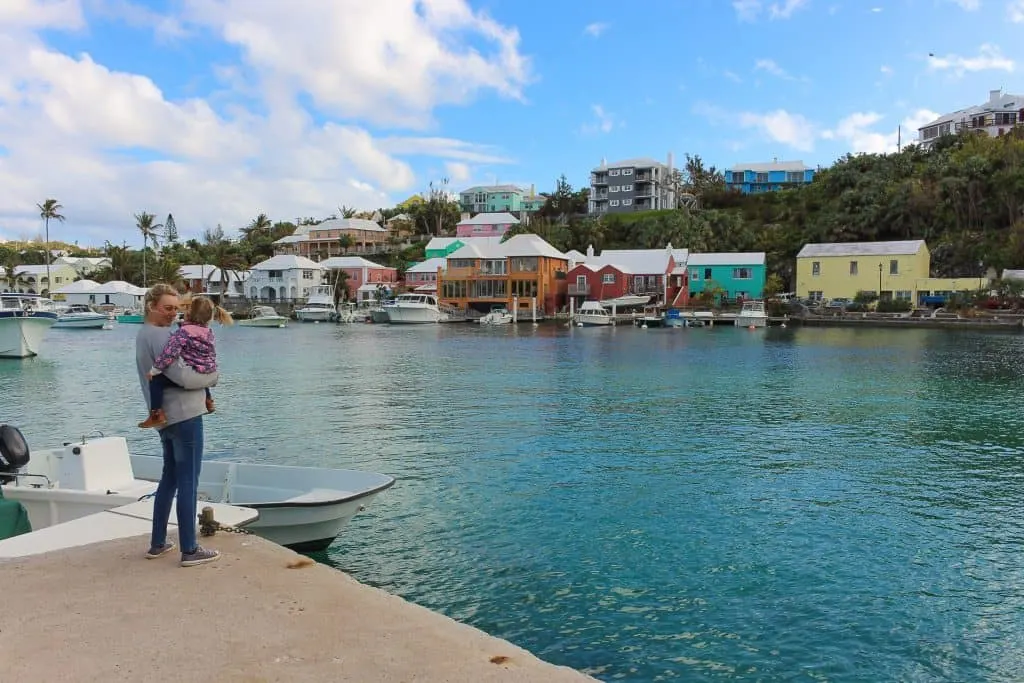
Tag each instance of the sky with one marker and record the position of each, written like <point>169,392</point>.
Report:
<point>219,110</point>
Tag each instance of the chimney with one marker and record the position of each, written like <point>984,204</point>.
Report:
<point>994,95</point>
<point>533,190</point>
<point>590,251</point>
<point>604,163</point>
<point>668,248</point>
<point>670,162</point>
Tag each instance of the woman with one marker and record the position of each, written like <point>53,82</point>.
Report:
<point>182,435</point>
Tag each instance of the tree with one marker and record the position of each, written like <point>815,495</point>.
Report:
<point>170,230</point>
<point>49,209</point>
<point>144,223</point>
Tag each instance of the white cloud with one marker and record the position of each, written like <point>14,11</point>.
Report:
<point>109,143</point>
<point>969,5</point>
<point>793,130</point>
<point>989,58</point>
<point>858,132</point>
<point>732,76</point>
<point>771,67</point>
<point>1015,11</point>
<point>458,172</point>
<point>751,10</point>
<point>886,69</point>
<point>596,29</point>
<point>603,121</point>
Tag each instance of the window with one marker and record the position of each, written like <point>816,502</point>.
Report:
<point>903,295</point>
<point>742,273</point>
<point>608,279</point>
<point>627,188</point>
<point>614,202</point>
<point>581,281</point>
<point>613,188</point>
<point>614,172</point>
<point>853,267</point>
<point>695,274</point>
<point>627,202</point>
<point>815,296</point>
<point>707,274</point>
<point>816,268</point>
<point>737,176</point>
<point>627,171</point>
<point>794,177</point>
<point>894,267</point>
<point>761,177</point>
<point>307,275</point>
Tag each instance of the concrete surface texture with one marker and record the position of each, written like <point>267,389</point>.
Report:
<point>104,613</point>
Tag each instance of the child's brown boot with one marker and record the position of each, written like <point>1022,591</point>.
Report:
<point>156,419</point>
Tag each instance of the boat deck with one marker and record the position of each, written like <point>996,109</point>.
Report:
<point>246,617</point>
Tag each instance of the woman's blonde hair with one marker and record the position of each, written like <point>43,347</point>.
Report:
<point>157,292</point>
<point>199,309</point>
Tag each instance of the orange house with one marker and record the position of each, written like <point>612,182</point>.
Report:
<point>479,277</point>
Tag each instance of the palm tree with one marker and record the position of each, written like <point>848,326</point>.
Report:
<point>223,256</point>
<point>50,208</point>
<point>340,287</point>
<point>10,276</point>
<point>144,222</point>
<point>260,224</point>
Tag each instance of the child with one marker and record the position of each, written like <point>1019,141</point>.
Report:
<point>192,344</point>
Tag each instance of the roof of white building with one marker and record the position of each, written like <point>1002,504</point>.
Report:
<point>287,262</point>
<point>765,167</point>
<point>498,218</point>
<point>196,272</point>
<point>429,266</point>
<point>476,250</point>
<point>530,245</point>
<point>339,262</point>
<point>119,287</point>
<point>233,275</point>
<point>364,224</point>
<point>595,267</point>
<point>745,258</point>
<point>79,287</point>
<point>640,261</point>
<point>635,162</point>
<point>997,101</point>
<point>79,260</point>
<point>894,248</point>
<point>577,256</point>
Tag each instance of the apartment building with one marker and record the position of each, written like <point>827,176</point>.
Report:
<point>500,199</point>
<point>995,117</point>
<point>639,184</point>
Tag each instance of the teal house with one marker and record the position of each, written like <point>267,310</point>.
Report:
<point>500,198</point>
<point>778,175</point>
<point>738,275</point>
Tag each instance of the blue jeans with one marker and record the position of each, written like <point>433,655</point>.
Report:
<point>183,458</point>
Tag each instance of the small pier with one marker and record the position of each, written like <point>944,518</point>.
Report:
<point>102,612</point>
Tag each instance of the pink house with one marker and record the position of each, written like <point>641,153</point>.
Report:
<point>486,225</point>
<point>364,277</point>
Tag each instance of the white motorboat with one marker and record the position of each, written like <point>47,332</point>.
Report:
<point>24,320</point>
<point>625,301</point>
<point>263,316</point>
<point>409,309</point>
<point>303,508</point>
<point>752,315</point>
<point>319,305</point>
<point>499,315</point>
<point>593,314</point>
<point>80,317</point>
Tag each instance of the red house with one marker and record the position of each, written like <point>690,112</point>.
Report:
<point>658,273</point>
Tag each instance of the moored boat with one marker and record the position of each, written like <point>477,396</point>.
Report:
<point>593,314</point>
<point>80,317</point>
<point>263,316</point>
<point>752,314</point>
<point>319,305</point>
<point>408,309</point>
<point>24,321</point>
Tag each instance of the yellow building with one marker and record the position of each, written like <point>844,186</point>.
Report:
<point>840,270</point>
<point>32,279</point>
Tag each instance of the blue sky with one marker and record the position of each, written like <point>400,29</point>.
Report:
<point>219,109</point>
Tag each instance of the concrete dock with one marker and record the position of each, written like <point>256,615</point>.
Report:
<point>104,613</point>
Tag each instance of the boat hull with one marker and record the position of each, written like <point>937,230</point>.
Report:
<point>130,318</point>
<point>593,320</point>
<point>317,316</point>
<point>412,315</point>
<point>21,335</point>
<point>264,322</point>
<point>751,321</point>
<point>82,322</point>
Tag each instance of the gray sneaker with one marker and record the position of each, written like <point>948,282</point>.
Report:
<point>159,551</point>
<point>200,555</point>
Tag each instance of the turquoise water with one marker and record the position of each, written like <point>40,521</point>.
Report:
<point>694,505</point>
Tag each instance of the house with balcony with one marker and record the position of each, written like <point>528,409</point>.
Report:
<point>284,277</point>
<point>768,177</point>
<point>630,185</point>
<point>323,240</point>
<point>486,225</point>
<point>422,277</point>
<point>480,276</point>
<point>33,279</point>
<point>364,276</point>
<point>500,198</point>
<point>734,276</point>
<point>441,247</point>
<point>657,273</point>
<point>1001,113</point>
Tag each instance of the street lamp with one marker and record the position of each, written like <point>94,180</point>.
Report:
<point>879,281</point>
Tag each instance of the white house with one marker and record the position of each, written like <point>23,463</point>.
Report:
<point>237,280</point>
<point>118,293</point>
<point>81,292</point>
<point>84,265</point>
<point>285,276</point>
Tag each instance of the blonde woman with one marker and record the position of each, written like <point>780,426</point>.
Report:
<point>181,435</point>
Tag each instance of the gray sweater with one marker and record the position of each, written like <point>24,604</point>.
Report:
<point>179,404</point>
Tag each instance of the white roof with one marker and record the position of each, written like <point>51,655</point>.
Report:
<point>429,266</point>
<point>196,272</point>
<point>574,255</point>
<point>752,258</point>
<point>79,287</point>
<point>363,224</point>
<point>490,219</point>
<point>291,239</point>
<point>475,250</point>
<point>399,217</point>
<point>1009,274</point>
<point>287,262</point>
<point>119,287</point>
<point>75,260</point>
<point>594,267</point>
<point>340,262</point>
<point>862,248</point>
<point>442,242</point>
<point>998,101</point>
<point>773,166</point>
<point>38,270</point>
<point>233,276</point>
<point>636,162</point>
<point>639,261</point>
<point>530,245</point>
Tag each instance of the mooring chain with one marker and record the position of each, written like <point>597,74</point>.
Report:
<point>208,526</point>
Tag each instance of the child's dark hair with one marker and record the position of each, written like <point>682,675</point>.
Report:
<point>201,310</point>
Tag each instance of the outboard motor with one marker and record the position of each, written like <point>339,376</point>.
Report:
<point>14,453</point>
